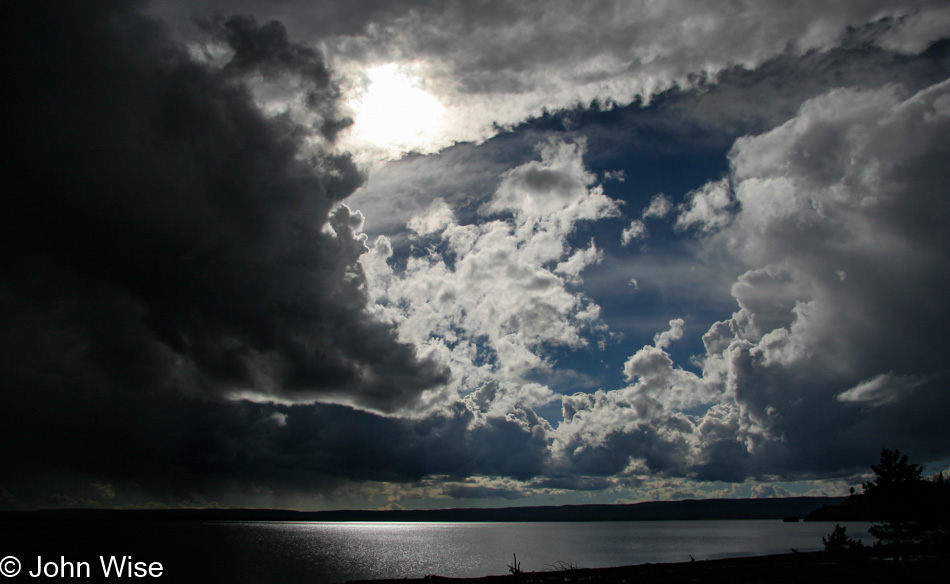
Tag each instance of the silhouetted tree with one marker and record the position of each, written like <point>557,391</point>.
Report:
<point>840,544</point>
<point>897,537</point>
<point>910,514</point>
<point>893,492</point>
<point>893,472</point>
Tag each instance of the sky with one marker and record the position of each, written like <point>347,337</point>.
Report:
<point>425,254</point>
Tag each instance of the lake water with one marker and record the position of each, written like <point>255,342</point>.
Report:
<point>324,553</point>
<point>327,553</point>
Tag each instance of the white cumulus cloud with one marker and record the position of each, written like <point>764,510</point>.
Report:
<point>489,298</point>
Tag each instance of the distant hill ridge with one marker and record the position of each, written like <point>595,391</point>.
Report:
<point>689,509</point>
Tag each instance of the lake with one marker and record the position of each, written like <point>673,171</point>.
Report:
<point>327,553</point>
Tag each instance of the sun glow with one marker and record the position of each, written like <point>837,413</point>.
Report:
<point>393,112</point>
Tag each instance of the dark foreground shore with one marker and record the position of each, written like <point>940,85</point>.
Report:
<point>810,568</point>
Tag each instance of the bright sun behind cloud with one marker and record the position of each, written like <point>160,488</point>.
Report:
<point>392,112</point>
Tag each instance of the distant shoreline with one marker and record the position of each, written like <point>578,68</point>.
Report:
<point>690,509</point>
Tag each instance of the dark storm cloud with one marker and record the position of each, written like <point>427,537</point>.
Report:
<point>144,177</point>
<point>166,449</point>
<point>859,254</point>
<point>266,50</point>
<point>163,240</point>
<point>320,18</point>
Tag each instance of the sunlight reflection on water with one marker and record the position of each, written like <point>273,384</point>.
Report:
<point>337,552</point>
